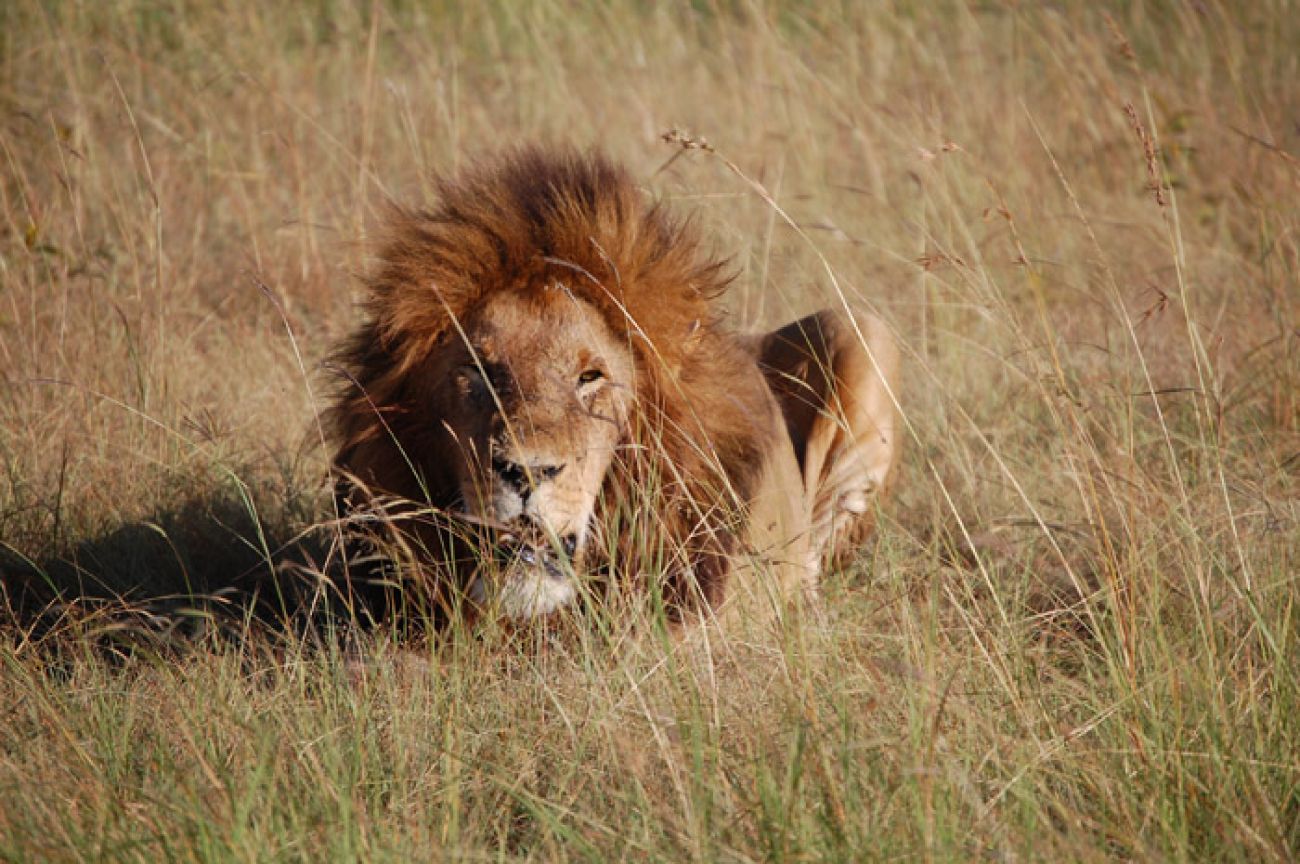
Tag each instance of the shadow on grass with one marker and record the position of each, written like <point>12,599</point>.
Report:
<point>209,565</point>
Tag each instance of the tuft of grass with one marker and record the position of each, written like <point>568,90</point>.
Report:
<point>1075,637</point>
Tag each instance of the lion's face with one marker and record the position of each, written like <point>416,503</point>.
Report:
<point>536,398</point>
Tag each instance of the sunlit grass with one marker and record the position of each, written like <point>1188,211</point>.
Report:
<point>1075,638</point>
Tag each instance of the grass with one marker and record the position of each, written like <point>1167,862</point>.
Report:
<point>1076,635</point>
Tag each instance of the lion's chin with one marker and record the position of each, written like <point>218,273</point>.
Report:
<point>525,592</point>
<point>529,580</point>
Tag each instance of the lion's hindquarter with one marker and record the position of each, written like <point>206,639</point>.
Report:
<point>832,375</point>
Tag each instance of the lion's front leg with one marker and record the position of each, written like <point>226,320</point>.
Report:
<point>835,379</point>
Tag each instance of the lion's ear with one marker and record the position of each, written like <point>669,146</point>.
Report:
<point>420,294</point>
<point>692,341</point>
<point>694,335</point>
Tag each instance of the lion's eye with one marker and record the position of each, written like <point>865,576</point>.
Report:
<point>590,376</point>
<point>470,380</point>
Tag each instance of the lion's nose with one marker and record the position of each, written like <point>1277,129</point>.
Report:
<point>517,475</point>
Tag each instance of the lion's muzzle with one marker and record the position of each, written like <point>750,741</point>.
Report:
<point>541,505</point>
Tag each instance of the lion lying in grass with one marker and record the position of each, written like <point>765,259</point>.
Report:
<point>544,396</point>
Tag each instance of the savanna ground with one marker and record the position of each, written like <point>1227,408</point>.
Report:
<point>1075,637</point>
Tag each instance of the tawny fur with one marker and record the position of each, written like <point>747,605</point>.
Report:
<point>549,228</point>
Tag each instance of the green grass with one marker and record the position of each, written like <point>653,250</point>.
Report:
<point>1076,636</point>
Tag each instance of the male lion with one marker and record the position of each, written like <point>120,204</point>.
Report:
<point>544,374</point>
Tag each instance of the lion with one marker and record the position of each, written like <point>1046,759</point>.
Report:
<point>545,396</point>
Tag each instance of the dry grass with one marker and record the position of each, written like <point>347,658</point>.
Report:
<point>1076,637</point>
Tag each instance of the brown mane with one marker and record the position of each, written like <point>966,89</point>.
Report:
<point>526,222</point>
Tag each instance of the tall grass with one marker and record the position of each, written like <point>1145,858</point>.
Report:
<point>1075,638</point>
